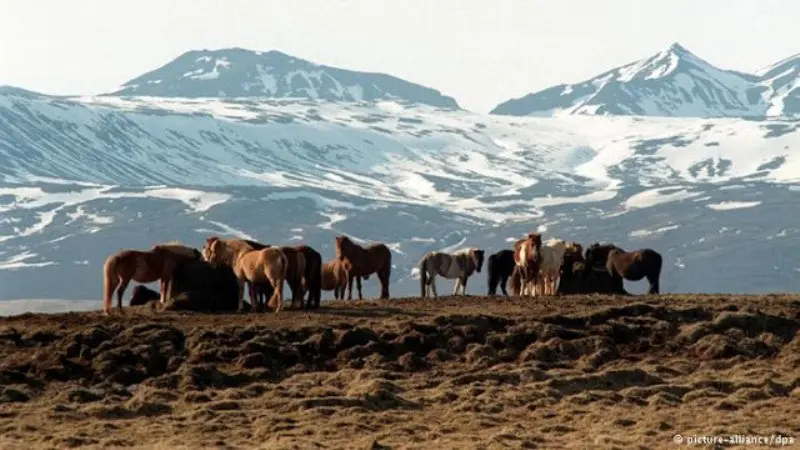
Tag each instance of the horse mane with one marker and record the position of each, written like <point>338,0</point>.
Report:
<point>229,249</point>
<point>176,248</point>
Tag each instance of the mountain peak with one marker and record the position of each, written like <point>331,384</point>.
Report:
<point>673,82</point>
<point>239,72</point>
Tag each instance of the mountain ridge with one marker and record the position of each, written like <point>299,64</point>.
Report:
<point>237,72</point>
<point>672,83</point>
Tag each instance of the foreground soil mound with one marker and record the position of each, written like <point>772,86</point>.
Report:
<point>582,372</point>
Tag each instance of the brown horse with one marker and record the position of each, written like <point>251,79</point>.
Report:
<point>262,291</point>
<point>313,276</point>
<point>146,266</point>
<point>527,255</point>
<point>249,265</point>
<point>335,275</point>
<point>295,274</point>
<point>375,258</point>
<point>635,265</point>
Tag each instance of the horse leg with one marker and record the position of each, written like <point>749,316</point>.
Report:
<point>653,280</point>
<point>503,282</point>
<point>383,278</point>
<point>464,286</point>
<point>456,285</point>
<point>121,291</point>
<point>240,283</point>
<point>350,287</point>
<point>358,284</point>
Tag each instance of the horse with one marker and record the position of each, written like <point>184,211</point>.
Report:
<point>596,257</point>
<point>249,265</point>
<point>335,275</point>
<point>499,267</point>
<point>572,278</point>
<point>552,255</point>
<point>515,281</point>
<point>527,255</point>
<point>146,266</point>
<point>142,295</point>
<point>313,275</point>
<point>264,290</point>
<point>295,274</point>
<point>375,258</point>
<point>635,265</point>
<point>459,265</point>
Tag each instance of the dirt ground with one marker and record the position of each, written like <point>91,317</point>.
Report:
<point>453,373</point>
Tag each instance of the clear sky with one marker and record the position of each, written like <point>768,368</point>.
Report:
<point>481,52</point>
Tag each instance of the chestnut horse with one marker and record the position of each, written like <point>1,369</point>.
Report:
<point>147,266</point>
<point>295,274</point>
<point>375,258</point>
<point>335,275</point>
<point>528,257</point>
<point>249,265</point>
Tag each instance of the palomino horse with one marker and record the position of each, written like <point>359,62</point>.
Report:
<point>459,265</point>
<point>335,275</point>
<point>249,265</point>
<point>499,267</point>
<point>636,265</point>
<point>295,274</point>
<point>527,255</point>
<point>552,255</point>
<point>374,258</point>
<point>147,266</point>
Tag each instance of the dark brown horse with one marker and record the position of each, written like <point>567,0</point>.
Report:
<point>313,275</point>
<point>374,258</point>
<point>528,257</point>
<point>632,266</point>
<point>499,267</point>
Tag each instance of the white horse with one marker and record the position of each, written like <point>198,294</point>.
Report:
<point>459,265</point>
<point>552,256</point>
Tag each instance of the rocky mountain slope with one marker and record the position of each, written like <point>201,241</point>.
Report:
<point>85,177</point>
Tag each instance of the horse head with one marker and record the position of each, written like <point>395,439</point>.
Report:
<point>536,240</point>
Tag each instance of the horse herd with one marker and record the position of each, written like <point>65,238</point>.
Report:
<point>532,268</point>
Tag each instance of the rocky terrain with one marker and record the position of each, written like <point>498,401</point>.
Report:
<point>569,372</point>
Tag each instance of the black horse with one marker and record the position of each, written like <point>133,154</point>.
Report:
<point>499,267</point>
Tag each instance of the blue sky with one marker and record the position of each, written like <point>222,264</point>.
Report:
<point>480,52</point>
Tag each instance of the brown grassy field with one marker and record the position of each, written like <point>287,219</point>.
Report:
<point>453,373</point>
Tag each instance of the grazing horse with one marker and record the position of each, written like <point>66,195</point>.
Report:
<point>249,265</point>
<point>499,267</point>
<point>147,266</point>
<point>552,255</point>
<point>295,274</point>
<point>527,255</point>
<point>635,265</point>
<point>459,265</point>
<point>313,275</point>
<point>375,258</point>
<point>335,275</point>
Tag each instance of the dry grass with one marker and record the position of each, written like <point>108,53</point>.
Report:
<point>577,372</point>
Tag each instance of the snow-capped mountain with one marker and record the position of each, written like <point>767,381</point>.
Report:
<point>673,83</point>
<point>84,177</point>
<point>236,72</point>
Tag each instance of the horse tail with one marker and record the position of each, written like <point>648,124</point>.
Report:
<point>423,275</point>
<point>490,273</point>
<point>110,281</point>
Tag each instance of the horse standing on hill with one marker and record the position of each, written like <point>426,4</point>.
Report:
<point>374,258</point>
<point>527,255</point>
<point>147,266</point>
<point>250,265</point>
<point>499,267</point>
<point>459,265</point>
<point>313,275</point>
<point>552,256</point>
<point>635,265</point>
<point>335,275</point>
